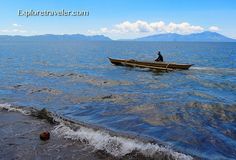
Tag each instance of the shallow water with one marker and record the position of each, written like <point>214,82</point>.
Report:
<point>20,140</point>
<point>192,111</point>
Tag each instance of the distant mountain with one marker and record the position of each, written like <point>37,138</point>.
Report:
<point>51,37</point>
<point>195,37</point>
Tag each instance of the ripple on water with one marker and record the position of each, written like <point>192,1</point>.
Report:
<point>78,78</point>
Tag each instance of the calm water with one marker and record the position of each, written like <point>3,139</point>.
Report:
<point>193,111</point>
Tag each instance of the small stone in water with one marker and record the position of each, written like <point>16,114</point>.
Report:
<point>44,136</point>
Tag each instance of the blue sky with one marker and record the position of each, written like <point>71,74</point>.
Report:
<point>121,18</point>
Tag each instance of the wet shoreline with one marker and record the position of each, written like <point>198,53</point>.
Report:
<point>20,140</point>
<point>21,127</point>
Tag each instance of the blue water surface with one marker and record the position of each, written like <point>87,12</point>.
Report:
<point>193,111</point>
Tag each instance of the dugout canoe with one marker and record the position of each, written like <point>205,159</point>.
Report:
<point>152,65</point>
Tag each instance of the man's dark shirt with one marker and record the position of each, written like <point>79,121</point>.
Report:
<point>159,59</point>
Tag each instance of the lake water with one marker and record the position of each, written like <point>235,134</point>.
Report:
<point>191,111</point>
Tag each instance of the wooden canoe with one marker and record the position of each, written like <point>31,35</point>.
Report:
<point>162,66</point>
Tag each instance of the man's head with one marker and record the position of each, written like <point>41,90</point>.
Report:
<point>158,52</point>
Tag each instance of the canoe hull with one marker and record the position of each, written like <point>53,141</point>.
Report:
<point>151,65</point>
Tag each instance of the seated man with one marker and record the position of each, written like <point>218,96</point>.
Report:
<point>160,58</point>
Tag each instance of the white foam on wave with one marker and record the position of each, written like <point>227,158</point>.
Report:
<point>101,139</point>
<point>213,69</point>
<point>115,145</point>
<point>11,108</point>
<point>203,68</point>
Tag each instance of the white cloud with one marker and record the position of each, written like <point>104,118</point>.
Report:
<point>214,28</point>
<point>16,25</point>
<point>13,31</point>
<point>182,28</point>
<point>158,26</point>
<point>138,26</point>
<point>143,27</point>
<point>4,31</point>
<point>19,31</point>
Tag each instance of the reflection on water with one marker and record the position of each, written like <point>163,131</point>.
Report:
<point>193,110</point>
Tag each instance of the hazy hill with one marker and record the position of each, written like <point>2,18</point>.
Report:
<point>195,37</point>
<point>51,37</point>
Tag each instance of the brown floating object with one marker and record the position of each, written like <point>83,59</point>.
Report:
<point>44,136</point>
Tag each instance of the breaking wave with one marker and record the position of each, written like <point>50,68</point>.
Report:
<point>113,143</point>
